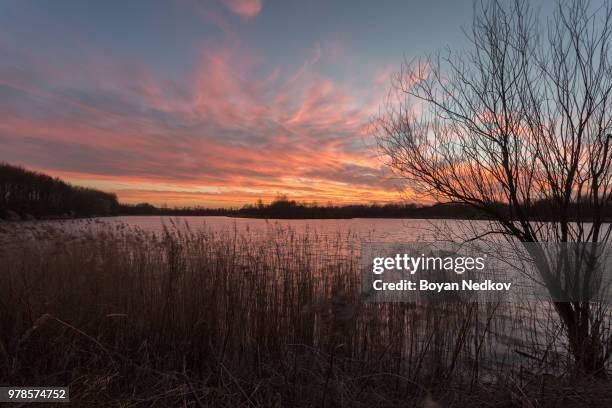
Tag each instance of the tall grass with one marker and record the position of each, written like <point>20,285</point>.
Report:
<point>205,318</point>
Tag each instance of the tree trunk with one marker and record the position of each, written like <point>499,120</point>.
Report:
<point>584,338</point>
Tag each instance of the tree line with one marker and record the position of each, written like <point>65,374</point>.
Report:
<point>27,194</point>
<point>285,208</point>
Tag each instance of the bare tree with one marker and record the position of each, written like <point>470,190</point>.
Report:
<point>519,123</point>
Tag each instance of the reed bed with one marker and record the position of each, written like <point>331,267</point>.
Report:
<point>207,318</point>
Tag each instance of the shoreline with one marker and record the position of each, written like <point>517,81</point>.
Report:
<point>61,218</point>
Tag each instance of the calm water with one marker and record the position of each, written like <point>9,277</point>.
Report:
<point>363,229</point>
<point>352,232</point>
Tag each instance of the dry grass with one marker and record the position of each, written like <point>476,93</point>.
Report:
<point>183,318</point>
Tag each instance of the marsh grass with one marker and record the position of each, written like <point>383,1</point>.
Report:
<point>208,318</point>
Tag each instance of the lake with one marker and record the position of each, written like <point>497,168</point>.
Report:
<point>360,229</point>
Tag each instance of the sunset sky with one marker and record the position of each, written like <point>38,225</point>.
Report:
<point>212,103</point>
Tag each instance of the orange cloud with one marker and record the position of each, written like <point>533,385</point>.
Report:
<point>231,131</point>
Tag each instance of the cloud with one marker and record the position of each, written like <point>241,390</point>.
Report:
<point>244,8</point>
<point>232,130</point>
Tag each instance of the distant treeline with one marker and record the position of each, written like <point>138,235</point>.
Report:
<point>27,194</point>
<point>149,209</point>
<point>283,208</point>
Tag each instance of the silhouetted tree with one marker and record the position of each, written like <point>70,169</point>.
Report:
<point>522,119</point>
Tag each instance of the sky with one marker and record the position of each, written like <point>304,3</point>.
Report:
<point>214,103</point>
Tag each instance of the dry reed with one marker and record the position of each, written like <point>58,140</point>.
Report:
<point>205,318</point>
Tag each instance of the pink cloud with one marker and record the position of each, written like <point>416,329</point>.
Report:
<point>234,124</point>
<point>244,8</point>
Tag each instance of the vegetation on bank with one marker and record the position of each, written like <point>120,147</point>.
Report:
<point>26,194</point>
<point>285,208</point>
<point>205,318</point>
